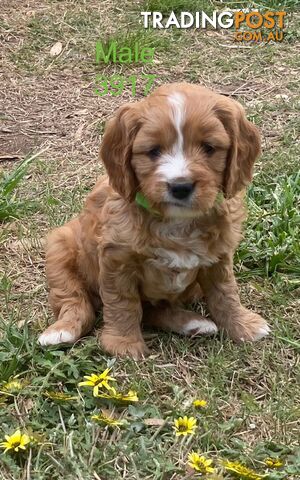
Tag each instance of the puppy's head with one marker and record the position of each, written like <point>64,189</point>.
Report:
<point>180,147</point>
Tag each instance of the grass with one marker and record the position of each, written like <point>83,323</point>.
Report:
<point>10,207</point>
<point>166,6</point>
<point>272,239</point>
<point>252,391</point>
<point>65,430</point>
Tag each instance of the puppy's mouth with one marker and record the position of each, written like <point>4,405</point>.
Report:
<point>180,210</point>
<point>177,203</point>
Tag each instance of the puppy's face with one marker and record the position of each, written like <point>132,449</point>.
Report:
<point>180,147</point>
<point>179,153</point>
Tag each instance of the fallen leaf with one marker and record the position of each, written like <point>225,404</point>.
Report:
<point>28,404</point>
<point>79,131</point>
<point>56,49</point>
<point>83,111</point>
<point>154,422</point>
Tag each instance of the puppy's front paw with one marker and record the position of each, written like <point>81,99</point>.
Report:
<point>59,332</point>
<point>249,328</point>
<point>119,346</point>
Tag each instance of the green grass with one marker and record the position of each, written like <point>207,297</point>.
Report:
<point>249,389</point>
<point>272,238</point>
<point>10,206</point>
<point>79,32</point>
<point>66,437</point>
<point>177,6</point>
<point>277,5</point>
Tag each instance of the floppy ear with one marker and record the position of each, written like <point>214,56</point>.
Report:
<point>244,150</point>
<point>116,151</point>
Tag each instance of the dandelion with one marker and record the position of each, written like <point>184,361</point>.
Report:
<point>112,422</point>
<point>200,463</point>
<point>97,381</point>
<point>200,403</point>
<point>15,441</point>
<point>60,396</point>
<point>12,386</point>
<point>185,426</point>
<point>130,397</point>
<point>274,462</point>
<point>243,472</point>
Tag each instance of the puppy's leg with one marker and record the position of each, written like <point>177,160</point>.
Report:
<point>178,320</point>
<point>68,297</point>
<point>192,294</point>
<point>220,289</point>
<point>122,310</point>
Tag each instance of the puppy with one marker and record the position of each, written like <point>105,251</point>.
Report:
<point>161,228</point>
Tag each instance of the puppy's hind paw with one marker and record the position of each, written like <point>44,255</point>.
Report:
<point>199,327</point>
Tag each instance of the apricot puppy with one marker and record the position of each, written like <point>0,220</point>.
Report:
<point>161,227</point>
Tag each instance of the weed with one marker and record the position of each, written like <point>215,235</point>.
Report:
<point>10,207</point>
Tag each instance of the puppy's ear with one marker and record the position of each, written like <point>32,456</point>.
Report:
<point>245,146</point>
<point>116,150</point>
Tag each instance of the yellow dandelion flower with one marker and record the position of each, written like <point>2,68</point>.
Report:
<point>243,472</point>
<point>97,381</point>
<point>11,387</point>
<point>200,403</point>
<point>15,442</point>
<point>130,397</point>
<point>60,396</point>
<point>185,426</point>
<point>274,462</point>
<point>200,463</point>
<point>101,418</point>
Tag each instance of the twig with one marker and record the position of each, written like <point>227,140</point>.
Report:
<point>234,46</point>
<point>71,444</point>
<point>62,421</point>
<point>93,447</point>
<point>56,462</point>
<point>96,476</point>
<point>28,467</point>
<point>18,412</point>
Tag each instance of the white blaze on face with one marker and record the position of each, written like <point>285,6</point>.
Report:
<point>173,164</point>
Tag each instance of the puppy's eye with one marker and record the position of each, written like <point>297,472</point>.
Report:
<point>209,149</point>
<point>155,152</point>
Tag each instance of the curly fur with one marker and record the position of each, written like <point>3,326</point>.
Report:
<point>141,265</point>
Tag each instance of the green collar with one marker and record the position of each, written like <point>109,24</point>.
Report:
<point>142,201</point>
<point>219,198</point>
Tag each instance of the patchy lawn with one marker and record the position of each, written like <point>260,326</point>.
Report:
<point>252,391</point>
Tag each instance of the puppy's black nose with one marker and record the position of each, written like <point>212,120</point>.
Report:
<point>181,190</point>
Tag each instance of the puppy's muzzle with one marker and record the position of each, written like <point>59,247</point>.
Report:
<point>181,191</point>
